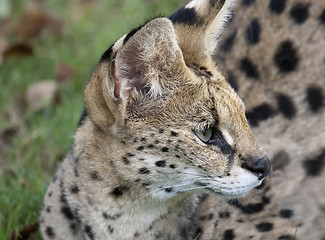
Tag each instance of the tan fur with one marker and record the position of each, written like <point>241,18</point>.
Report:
<point>137,163</point>
<point>289,142</point>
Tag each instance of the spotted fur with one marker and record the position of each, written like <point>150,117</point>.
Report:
<point>160,126</point>
<point>273,51</point>
<point>272,56</point>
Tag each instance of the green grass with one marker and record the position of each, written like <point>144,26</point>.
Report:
<point>43,137</point>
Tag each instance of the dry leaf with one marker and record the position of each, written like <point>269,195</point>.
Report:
<point>38,95</point>
<point>9,133</point>
<point>33,20</point>
<point>25,233</point>
<point>63,72</point>
<point>18,50</point>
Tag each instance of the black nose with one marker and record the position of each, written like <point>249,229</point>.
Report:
<point>259,166</point>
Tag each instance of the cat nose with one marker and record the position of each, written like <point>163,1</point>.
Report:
<point>259,166</point>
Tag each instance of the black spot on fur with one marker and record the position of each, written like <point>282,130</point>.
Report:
<point>229,235</point>
<point>76,171</point>
<point>285,57</point>
<point>168,189</point>
<point>286,213</point>
<point>106,216</point>
<point>140,148</point>
<point>197,234</point>
<point>144,170</point>
<point>313,167</point>
<point>186,16</point>
<point>174,134</point>
<point>94,175</point>
<point>110,229</point>
<point>232,81</point>
<point>48,209</point>
<point>322,17</point>
<point>74,189</point>
<point>172,166</point>
<point>259,113</point>
<point>126,160</point>
<point>63,198</point>
<point>253,32</point>
<point>250,208</point>
<point>280,160</point>
<point>315,98</point>
<point>228,43</point>
<point>50,232</point>
<point>106,56</point>
<point>130,34</point>
<point>150,146</point>
<point>67,212</point>
<point>277,6</point>
<point>299,13</point>
<point>161,163</point>
<point>286,106</point>
<point>89,232</point>
<point>266,200</point>
<point>248,2</point>
<point>165,149</point>
<point>264,227</point>
<point>82,117</point>
<point>224,214</point>
<point>73,227</point>
<point>161,130</point>
<point>249,68</point>
<point>286,237</point>
<point>118,191</point>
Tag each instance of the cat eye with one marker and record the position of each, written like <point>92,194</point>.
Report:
<point>204,135</point>
<point>213,136</point>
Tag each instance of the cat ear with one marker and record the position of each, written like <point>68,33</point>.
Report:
<point>148,59</point>
<point>134,74</point>
<point>199,25</point>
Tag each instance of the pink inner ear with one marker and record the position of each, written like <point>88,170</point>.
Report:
<point>136,81</point>
<point>116,82</point>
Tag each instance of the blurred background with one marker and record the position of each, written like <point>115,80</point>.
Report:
<point>48,49</point>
